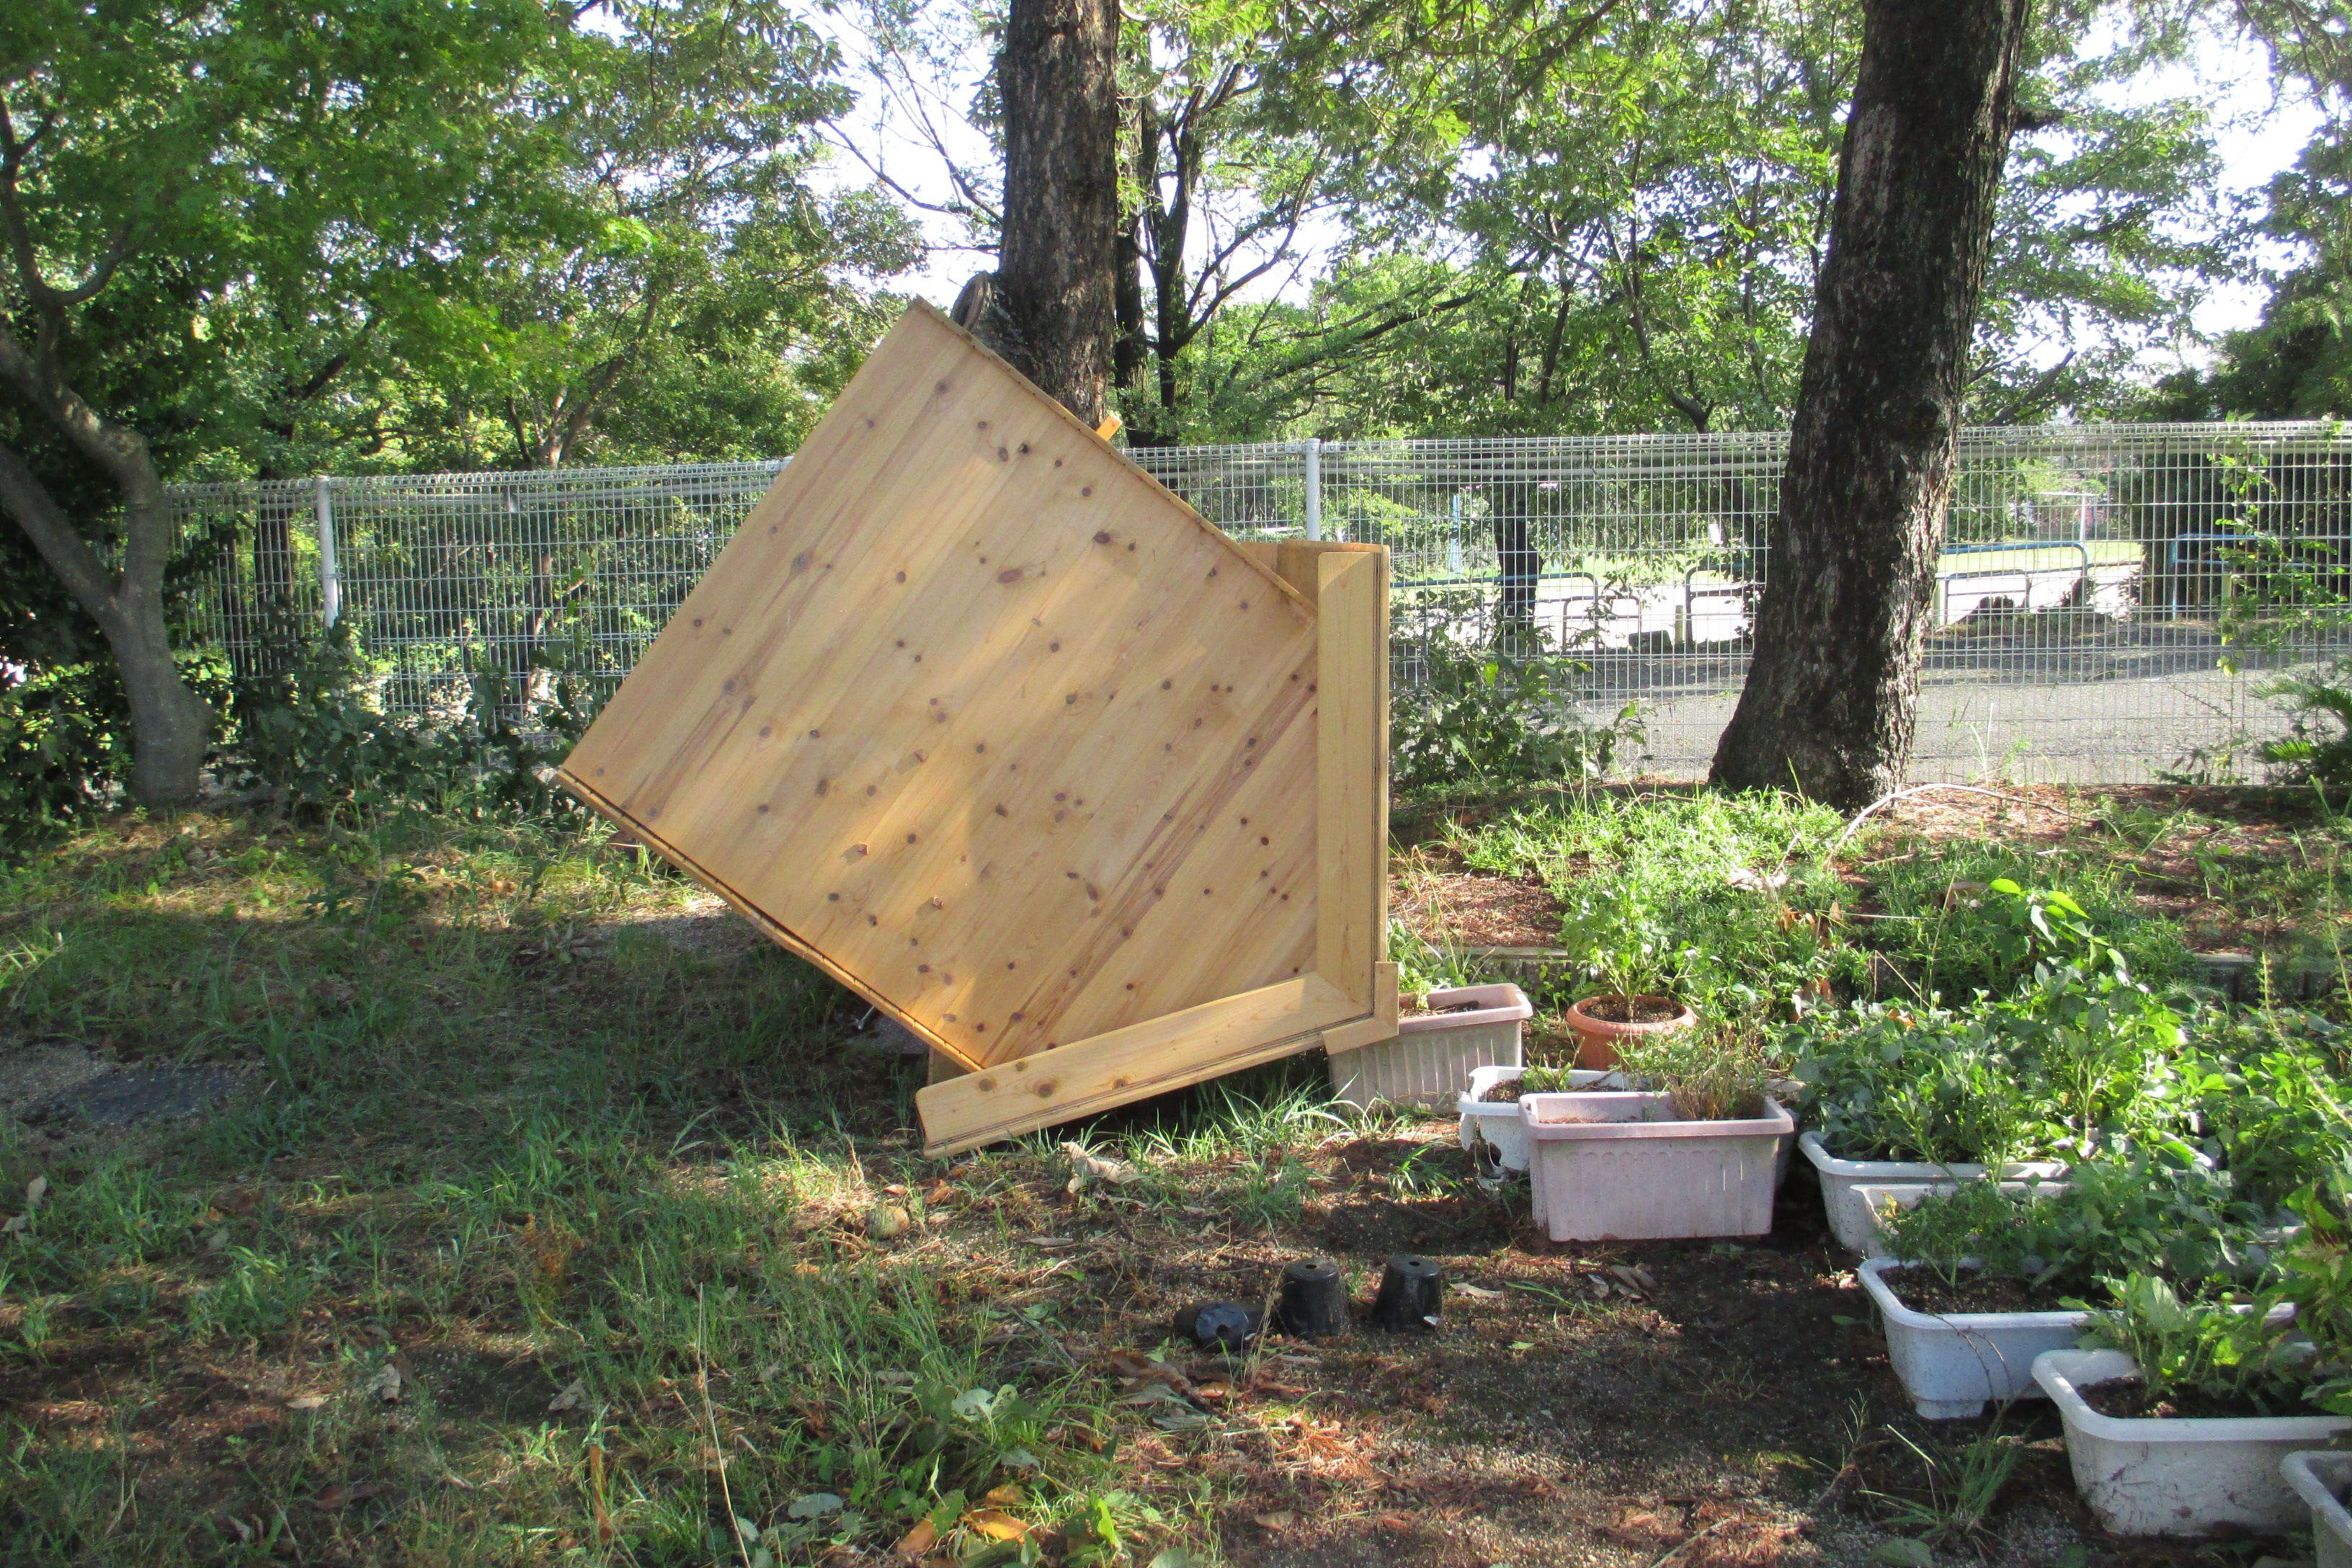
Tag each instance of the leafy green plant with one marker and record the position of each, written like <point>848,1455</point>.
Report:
<point>2183,1223</point>
<point>2232,1355</point>
<point>1721,900</point>
<point>1491,721</point>
<point>2318,1284</point>
<point>2275,1115</point>
<point>2078,1060</point>
<point>2103,1050</point>
<point>1423,966</point>
<point>1959,921</point>
<point>1886,1082</point>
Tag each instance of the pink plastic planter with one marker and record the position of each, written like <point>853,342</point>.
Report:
<point>1614,1167</point>
<point>1434,1051</point>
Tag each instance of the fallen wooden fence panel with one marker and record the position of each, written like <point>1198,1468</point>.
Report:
<point>980,719</point>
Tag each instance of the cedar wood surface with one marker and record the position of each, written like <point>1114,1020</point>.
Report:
<point>977,716</point>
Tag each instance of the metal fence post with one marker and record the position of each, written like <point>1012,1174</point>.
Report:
<point>1314,449</point>
<point>331,582</point>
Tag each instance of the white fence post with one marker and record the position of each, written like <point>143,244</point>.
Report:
<point>331,582</point>
<point>1314,449</point>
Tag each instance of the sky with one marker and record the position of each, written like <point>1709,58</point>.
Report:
<point>2259,132</point>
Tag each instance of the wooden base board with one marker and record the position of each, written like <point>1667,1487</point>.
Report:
<point>1130,1064</point>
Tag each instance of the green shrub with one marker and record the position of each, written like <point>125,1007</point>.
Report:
<point>1483,722</point>
<point>2183,1223</point>
<point>65,742</point>
<point>2076,1061</point>
<point>1972,921</point>
<point>308,727</point>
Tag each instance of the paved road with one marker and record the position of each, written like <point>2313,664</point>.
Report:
<point>2093,702</point>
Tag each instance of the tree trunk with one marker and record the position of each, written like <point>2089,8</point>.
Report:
<point>1057,75</point>
<point>170,724</point>
<point>1518,566</point>
<point>1842,625</point>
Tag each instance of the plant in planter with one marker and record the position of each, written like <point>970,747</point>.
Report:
<point>2075,1062</point>
<point>1457,1030</point>
<point>1694,1154</point>
<point>2264,1087</point>
<point>1489,1107</point>
<point>2178,1419</point>
<point>1629,954</point>
<point>1977,1279</point>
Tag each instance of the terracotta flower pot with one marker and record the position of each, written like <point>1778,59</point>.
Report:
<point>1597,1037</point>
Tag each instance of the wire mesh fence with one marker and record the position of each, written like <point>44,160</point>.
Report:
<point>2079,618</point>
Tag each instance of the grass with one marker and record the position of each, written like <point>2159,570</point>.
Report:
<point>521,1153</point>
<point>557,1219</point>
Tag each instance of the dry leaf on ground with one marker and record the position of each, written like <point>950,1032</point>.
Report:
<point>995,1523</point>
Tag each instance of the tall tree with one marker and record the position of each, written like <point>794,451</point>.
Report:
<point>204,160</point>
<point>1048,308</point>
<point>1840,628</point>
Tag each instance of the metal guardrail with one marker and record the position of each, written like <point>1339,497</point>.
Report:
<point>2103,667</point>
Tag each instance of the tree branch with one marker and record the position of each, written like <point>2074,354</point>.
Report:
<point>24,498</point>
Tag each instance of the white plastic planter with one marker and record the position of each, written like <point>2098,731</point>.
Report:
<point>1434,1052</point>
<point>1851,1220</point>
<point>2171,1475</point>
<point>1953,1365</point>
<point>1613,1166</point>
<point>1876,1200</point>
<point>1496,1122</point>
<point>2320,1480</point>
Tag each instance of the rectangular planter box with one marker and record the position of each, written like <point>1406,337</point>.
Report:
<point>1953,1365</point>
<point>2171,1475</point>
<point>2320,1480</point>
<point>1850,1217</point>
<point>1434,1053</point>
<point>1611,1167</point>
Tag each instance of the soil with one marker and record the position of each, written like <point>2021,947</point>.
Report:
<point>1924,1292</point>
<point>1632,1009</point>
<point>1437,901</point>
<point>2127,1399</point>
<point>1504,1093</point>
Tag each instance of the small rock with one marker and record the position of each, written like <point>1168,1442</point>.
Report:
<point>886,1221</point>
<point>1903,1554</point>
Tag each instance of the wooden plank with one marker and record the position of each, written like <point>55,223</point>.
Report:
<point>1129,1064</point>
<point>758,918</point>
<point>982,720</point>
<point>969,704</point>
<point>1380,1026</point>
<point>1351,799</point>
